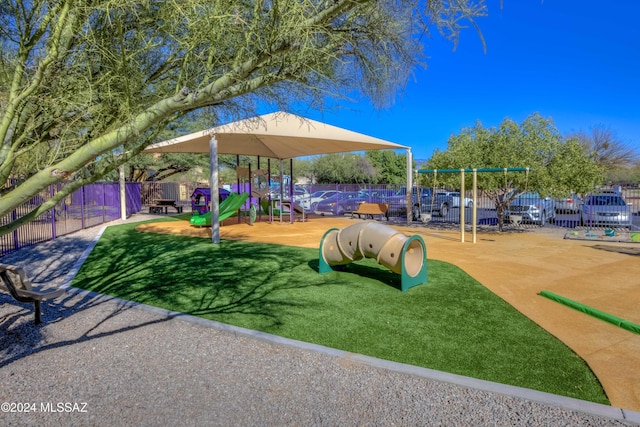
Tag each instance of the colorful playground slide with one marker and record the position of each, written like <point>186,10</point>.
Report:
<point>406,256</point>
<point>227,208</point>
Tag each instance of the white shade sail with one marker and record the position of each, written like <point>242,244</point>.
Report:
<point>277,135</point>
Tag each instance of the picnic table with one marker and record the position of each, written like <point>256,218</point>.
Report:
<point>162,206</point>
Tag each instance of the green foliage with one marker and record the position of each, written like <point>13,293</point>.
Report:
<point>85,86</point>
<point>557,166</point>
<point>343,169</point>
<point>303,168</point>
<point>624,175</point>
<point>148,167</point>
<point>390,167</point>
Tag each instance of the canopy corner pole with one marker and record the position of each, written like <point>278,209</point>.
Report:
<point>269,196</point>
<point>238,179</point>
<point>474,209</point>
<point>461,206</point>
<point>410,186</point>
<point>213,184</point>
<point>123,194</point>
<point>281,164</point>
<point>291,193</point>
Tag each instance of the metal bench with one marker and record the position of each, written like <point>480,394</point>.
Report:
<point>371,209</point>
<point>15,281</point>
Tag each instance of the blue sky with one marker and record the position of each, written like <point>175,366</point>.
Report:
<point>576,62</point>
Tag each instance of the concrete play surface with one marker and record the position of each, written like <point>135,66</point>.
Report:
<point>516,267</point>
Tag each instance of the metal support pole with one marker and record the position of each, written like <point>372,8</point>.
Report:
<point>474,211</point>
<point>410,186</point>
<point>462,206</point>
<point>291,193</point>
<point>213,186</point>
<point>281,164</point>
<point>123,195</point>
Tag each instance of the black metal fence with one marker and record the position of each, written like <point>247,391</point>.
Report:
<point>603,208</point>
<point>528,210</point>
<point>91,205</point>
<point>100,203</point>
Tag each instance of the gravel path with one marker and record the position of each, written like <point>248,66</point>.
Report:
<point>102,361</point>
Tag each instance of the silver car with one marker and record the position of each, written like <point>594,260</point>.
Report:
<point>310,202</point>
<point>571,204</point>
<point>533,208</point>
<point>605,209</point>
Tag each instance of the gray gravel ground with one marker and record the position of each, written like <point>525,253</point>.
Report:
<point>104,362</point>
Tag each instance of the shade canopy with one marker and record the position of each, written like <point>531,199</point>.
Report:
<point>277,135</point>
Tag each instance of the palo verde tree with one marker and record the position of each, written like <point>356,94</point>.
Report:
<point>85,85</point>
<point>148,167</point>
<point>557,166</point>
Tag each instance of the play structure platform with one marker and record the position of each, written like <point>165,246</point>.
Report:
<point>403,255</point>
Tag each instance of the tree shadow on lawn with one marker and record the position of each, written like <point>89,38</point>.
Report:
<point>192,276</point>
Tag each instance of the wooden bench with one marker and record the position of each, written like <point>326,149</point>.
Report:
<point>162,205</point>
<point>371,209</point>
<point>14,280</point>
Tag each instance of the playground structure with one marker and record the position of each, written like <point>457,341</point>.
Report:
<point>402,255</point>
<point>253,185</point>
<point>228,208</point>
<point>201,199</point>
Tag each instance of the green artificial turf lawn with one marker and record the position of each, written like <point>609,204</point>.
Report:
<point>452,324</point>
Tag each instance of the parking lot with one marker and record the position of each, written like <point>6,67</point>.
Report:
<point>616,209</point>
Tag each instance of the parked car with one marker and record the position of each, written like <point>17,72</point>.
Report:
<point>398,202</point>
<point>455,198</point>
<point>441,202</point>
<point>533,208</point>
<point>299,192</point>
<point>380,196</point>
<point>341,203</point>
<point>605,209</point>
<point>310,202</point>
<point>571,204</point>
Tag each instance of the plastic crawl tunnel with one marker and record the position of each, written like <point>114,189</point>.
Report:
<point>403,255</point>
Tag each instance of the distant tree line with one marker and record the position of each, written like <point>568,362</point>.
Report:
<point>577,161</point>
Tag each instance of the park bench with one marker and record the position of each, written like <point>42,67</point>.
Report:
<point>371,209</point>
<point>162,206</point>
<point>15,281</point>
